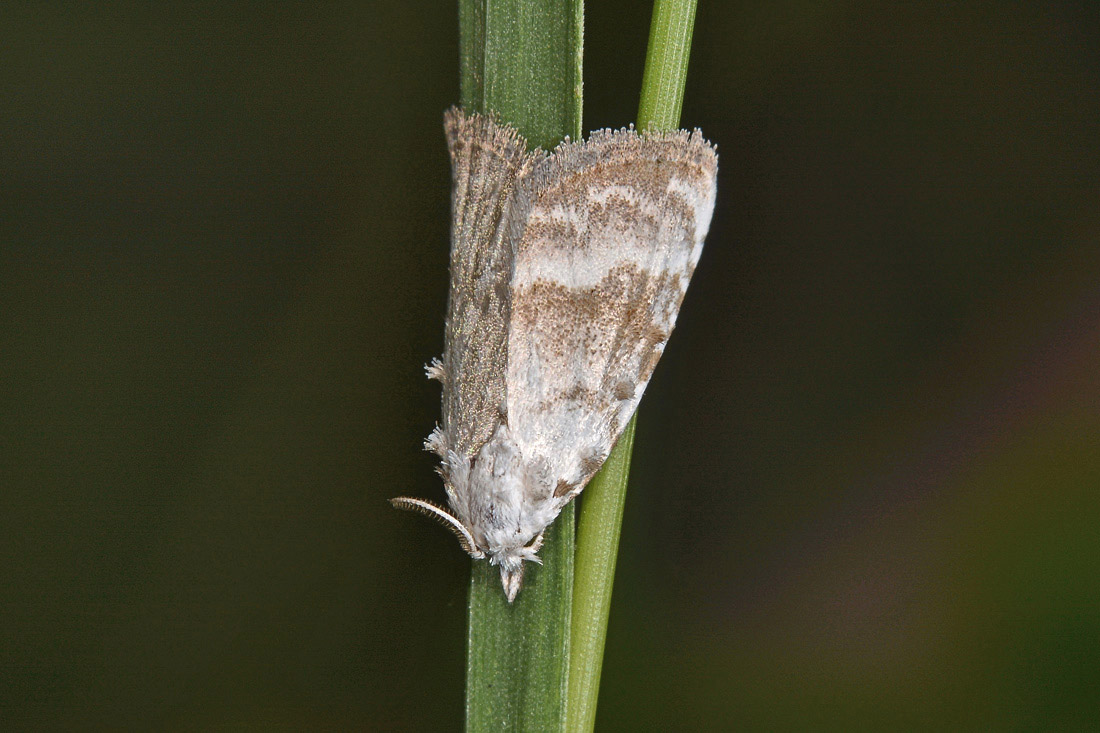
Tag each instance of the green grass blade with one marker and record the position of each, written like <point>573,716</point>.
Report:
<point>666,64</point>
<point>522,60</point>
<point>602,503</point>
<point>601,518</point>
<point>517,661</point>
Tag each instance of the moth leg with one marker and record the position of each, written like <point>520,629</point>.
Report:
<point>434,370</point>
<point>529,551</point>
<point>436,443</point>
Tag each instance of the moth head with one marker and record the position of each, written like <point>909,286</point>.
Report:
<point>509,559</point>
<point>512,580</point>
<point>511,565</point>
<point>445,518</point>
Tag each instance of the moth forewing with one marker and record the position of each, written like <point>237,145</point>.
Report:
<point>567,274</point>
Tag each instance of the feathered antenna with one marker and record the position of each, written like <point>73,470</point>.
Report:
<point>444,517</point>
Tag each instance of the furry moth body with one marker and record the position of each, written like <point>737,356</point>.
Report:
<point>567,273</point>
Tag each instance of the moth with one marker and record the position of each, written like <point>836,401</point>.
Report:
<point>567,272</point>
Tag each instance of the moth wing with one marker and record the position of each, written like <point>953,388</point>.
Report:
<point>487,160</point>
<point>608,234</point>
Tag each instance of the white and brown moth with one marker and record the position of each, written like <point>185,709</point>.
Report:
<point>567,272</point>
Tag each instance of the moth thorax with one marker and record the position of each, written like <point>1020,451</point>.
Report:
<point>497,493</point>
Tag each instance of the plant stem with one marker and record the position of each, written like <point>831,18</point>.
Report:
<point>604,497</point>
<point>601,518</point>
<point>521,59</point>
<point>666,64</point>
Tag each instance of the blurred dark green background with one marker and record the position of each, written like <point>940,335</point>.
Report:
<point>866,489</point>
